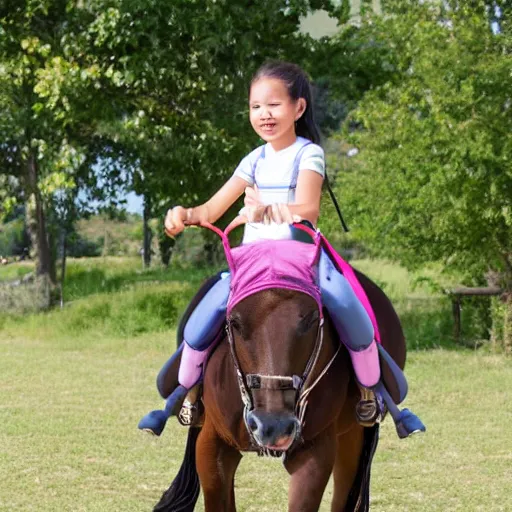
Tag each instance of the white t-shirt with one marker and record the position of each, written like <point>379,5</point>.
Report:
<point>275,174</point>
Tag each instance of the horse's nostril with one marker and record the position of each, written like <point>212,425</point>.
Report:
<point>268,431</point>
<point>289,430</point>
<point>253,425</point>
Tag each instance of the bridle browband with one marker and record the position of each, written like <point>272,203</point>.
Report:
<point>301,385</point>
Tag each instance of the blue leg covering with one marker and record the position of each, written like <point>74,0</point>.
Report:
<point>207,319</point>
<point>201,330</point>
<point>346,311</point>
<point>356,330</point>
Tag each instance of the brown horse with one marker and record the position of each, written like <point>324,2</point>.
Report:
<point>314,427</point>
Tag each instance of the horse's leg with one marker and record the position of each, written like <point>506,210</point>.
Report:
<point>216,464</point>
<point>310,468</point>
<point>348,454</point>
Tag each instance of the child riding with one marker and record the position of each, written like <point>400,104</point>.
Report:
<point>282,181</point>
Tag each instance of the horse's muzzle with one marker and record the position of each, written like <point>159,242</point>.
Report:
<point>272,430</point>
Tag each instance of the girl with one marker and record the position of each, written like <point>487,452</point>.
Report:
<point>282,181</point>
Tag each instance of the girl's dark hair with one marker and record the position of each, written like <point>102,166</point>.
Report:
<point>298,86</point>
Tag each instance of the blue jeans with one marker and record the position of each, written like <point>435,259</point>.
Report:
<point>346,311</point>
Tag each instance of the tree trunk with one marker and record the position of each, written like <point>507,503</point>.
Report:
<point>45,262</point>
<point>64,252</point>
<point>507,326</point>
<point>148,235</point>
<point>166,245</point>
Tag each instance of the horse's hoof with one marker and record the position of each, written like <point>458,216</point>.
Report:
<point>408,424</point>
<point>154,422</point>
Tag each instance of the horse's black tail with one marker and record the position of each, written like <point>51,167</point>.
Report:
<point>184,490</point>
<point>359,497</point>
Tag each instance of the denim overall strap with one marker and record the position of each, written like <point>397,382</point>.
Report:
<point>255,164</point>
<point>296,164</point>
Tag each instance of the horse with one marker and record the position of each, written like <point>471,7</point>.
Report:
<point>295,399</point>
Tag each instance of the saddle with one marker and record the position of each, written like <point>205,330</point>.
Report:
<point>392,375</point>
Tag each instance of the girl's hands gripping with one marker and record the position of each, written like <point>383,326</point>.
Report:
<point>256,211</point>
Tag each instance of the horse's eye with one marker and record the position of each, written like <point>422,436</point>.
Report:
<point>307,322</point>
<point>235,324</point>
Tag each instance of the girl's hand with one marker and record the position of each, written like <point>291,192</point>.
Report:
<point>176,220</point>
<point>252,197</point>
<point>253,208</point>
<point>280,213</point>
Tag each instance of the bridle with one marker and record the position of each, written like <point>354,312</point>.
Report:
<point>301,385</point>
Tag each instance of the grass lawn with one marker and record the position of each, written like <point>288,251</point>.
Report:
<point>74,383</point>
<point>69,442</point>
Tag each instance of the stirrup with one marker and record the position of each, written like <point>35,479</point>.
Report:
<point>190,413</point>
<point>369,410</point>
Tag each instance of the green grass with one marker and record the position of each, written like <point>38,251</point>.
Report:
<point>16,270</point>
<point>69,441</point>
<point>114,296</point>
<point>75,381</point>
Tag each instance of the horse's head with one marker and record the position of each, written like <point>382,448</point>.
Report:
<point>276,338</point>
<point>275,327</point>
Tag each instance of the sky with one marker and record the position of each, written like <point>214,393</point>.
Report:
<point>134,203</point>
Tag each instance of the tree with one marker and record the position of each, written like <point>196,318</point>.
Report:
<point>188,126</point>
<point>44,124</point>
<point>433,179</point>
<point>158,87</point>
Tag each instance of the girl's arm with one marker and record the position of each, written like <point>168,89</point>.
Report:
<point>307,196</point>
<point>178,217</point>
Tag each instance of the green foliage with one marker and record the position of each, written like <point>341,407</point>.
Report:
<point>433,179</point>
<point>498,314</point>
<point>109,296</point>
<point>13,239</point>
<point>146,309</point>
<point>153,92</point>
<point>79,247</point>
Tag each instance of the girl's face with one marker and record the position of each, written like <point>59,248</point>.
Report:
<point>273,113</point>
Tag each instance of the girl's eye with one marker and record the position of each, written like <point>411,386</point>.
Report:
<point>254,107</point>
<point>274,104</point>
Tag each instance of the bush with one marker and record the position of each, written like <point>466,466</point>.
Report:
<point>26,295</point>
<point>13,238</point>
<point>80,247</point>
<point>150,308</point>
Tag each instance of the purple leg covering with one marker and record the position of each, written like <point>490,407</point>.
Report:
<point>192,364</point>
<point>202,332</point>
